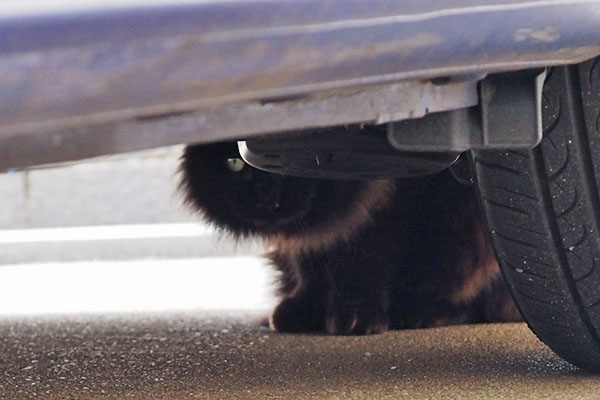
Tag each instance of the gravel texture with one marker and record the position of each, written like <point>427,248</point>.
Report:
<point>201,356</point>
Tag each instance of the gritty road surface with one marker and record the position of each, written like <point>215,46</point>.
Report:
<point>199,356</point>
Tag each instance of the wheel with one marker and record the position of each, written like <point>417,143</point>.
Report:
<point>543,213</point>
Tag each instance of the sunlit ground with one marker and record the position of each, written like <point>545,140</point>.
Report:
<point>236,283</point>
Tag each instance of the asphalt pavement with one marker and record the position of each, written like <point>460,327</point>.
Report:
<point>227,356</point>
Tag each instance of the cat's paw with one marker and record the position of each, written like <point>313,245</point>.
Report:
<point>295,314</point>
<point>357,319</point>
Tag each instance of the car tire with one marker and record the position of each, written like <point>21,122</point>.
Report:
<point>543,212</point>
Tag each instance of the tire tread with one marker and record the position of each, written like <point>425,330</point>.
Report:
<point>543,210</point>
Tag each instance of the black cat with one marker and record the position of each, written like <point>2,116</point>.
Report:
<point>356,257</point>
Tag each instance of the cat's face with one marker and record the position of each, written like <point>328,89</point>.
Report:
<point>245,200</point>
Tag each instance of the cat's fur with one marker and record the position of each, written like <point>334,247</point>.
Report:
<point>357,257</point>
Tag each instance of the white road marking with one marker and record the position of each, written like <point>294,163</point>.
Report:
<point>105,232</point>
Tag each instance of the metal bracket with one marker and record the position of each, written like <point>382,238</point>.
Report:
<point>341,153</point>
<point>508,117</point>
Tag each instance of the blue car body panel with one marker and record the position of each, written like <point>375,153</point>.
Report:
<point>75,67</point>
